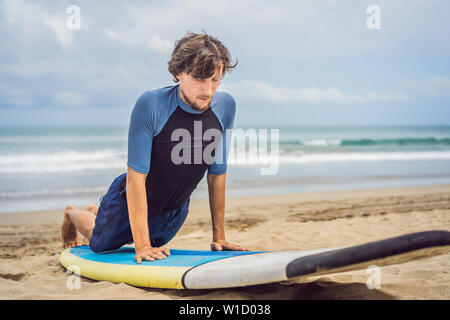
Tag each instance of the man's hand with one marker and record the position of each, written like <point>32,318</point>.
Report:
<point>222,245</point>
<point>151,254</point>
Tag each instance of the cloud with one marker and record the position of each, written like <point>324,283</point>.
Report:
<point>34,21</point>
<point>436,87</point>
<point>71,99</point>
<point>139,39</point>
<point>14,96</point>
<point>159,44</point>
<point>260,92</point>
<point>58,26</point>
<point>321,50</point>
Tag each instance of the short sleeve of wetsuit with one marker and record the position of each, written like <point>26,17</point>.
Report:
<point>140,134</point>
<point>225,112</point>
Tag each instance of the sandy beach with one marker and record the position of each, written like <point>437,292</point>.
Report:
<point>30,246</point>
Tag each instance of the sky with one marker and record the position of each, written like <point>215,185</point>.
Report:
<point>300,63</point>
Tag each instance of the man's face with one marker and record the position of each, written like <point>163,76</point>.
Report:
<point>198,92</point>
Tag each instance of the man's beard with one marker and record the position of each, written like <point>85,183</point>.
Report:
<point>193,104</point>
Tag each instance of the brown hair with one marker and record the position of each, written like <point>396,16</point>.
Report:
<point>199,55</point>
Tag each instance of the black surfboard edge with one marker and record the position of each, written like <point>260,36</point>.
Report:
<point>367,252</point>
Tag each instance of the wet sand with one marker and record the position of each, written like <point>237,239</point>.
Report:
<point>30,246</point>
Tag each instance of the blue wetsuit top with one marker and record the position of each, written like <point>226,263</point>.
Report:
<point>153,140</point>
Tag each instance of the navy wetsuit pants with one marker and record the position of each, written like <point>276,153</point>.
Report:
<point>112,225</point>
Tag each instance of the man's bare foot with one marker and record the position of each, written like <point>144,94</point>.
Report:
<point>94,209</point>
<point>69,233</point>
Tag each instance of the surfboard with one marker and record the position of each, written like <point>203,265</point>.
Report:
<point>202,269</point>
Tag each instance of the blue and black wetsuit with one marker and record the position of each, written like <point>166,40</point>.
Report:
<point>159,125</point>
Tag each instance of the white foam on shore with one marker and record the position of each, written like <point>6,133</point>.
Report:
<point>62,161</point>
<point>61,139</point>
<point>111,159</point>
<point>51,192</point>
<point>301,157</point>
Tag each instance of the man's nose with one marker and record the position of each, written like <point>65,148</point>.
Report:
<point>207,88</point>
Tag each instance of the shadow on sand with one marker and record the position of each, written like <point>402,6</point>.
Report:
<point>321,289</point>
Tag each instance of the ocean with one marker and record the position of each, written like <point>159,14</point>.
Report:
<point>51,167</point>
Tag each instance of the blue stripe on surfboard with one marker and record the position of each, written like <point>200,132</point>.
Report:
<point>177,258</point>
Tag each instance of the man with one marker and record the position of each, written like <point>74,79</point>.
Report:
<point>148,204</point>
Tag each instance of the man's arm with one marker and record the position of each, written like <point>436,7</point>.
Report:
<point>137,212</point>
<point>216,189</point>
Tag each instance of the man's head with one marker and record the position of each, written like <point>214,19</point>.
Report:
<point>199,62</point>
